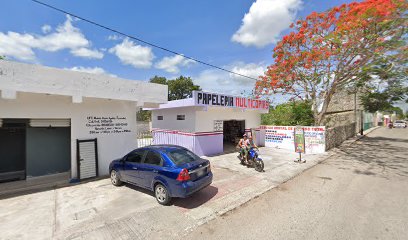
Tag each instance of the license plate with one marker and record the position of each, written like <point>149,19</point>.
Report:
<point>200,173</point>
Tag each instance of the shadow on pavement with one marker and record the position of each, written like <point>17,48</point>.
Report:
<point>194,201</point>
<point>140,189</point>
<point>197,199</point>
<point>375,156</point>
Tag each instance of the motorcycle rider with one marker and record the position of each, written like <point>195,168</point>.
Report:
<point>251,143</point>
<point>243,146</point>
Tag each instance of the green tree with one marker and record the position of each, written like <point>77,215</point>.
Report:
<point>159,80</point>
<point>181,88</point>
<point>2,57</point>
<point>144,115</point>
<point>375,101</point>
<point>384,83</point>
<point>289,114</point>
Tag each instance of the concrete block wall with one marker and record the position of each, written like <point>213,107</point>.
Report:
<point>336,135</point>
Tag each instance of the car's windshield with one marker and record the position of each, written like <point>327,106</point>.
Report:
<point>180,156</point>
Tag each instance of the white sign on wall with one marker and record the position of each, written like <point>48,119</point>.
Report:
<point>218,125</point>
<point>107,125</point>
<point>282,137</point>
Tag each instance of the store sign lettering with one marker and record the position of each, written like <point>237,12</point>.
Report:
<point>213,99</point>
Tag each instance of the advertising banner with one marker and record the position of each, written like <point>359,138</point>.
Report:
<point>283,137</point>
<point>221,100</point>
<point>299,139</point>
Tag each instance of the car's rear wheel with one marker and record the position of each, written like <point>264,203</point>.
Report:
<point>115,178</point>
<point>162,195</point>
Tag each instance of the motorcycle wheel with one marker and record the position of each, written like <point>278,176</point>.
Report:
<point>259,165</point>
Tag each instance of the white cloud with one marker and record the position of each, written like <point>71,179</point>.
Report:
<point>265,21</point>
<point>219,81</point>
<point>17,45</point>
<point>132,54</point>
<point>251,69</point>
<point>114,37</point>
<point>172,64</point>
<point>94,70</point>
<point>46,28</point>
<point>87,53</point>
<point>66,36</point>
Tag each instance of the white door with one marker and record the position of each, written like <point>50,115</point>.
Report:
<point>87,158</point>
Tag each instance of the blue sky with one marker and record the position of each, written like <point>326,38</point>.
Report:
<point>237,35</point>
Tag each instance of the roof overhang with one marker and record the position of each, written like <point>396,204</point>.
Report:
<point>19,77</point>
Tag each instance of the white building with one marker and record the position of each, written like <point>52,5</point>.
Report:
<point>208,122</point>
<point>54,121</point>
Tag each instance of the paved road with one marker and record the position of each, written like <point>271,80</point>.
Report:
<point>98,210</point>
<point>359,193</point>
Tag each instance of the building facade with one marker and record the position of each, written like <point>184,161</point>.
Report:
<point>54,121</point>
<point>207,123</point>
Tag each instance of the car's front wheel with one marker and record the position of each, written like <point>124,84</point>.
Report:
<point>162,195</point>
<point>115,178</point>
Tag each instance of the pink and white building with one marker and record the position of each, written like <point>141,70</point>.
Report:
<point>207,122</point>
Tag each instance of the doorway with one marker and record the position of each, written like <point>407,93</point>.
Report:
<point>233,131</point>
<point>12,149</point>
<point>34,147</point>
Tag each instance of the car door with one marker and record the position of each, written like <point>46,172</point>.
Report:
<point>150,167</point>
<point>132,164</point>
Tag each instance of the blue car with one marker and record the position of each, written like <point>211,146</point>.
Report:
<point>168,170</point>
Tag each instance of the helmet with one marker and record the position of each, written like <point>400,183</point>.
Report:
<point>245,135</point>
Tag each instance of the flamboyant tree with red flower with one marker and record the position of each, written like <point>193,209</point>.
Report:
<point>327,51</point>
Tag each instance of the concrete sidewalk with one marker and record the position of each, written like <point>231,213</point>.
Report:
<point>98,210</point>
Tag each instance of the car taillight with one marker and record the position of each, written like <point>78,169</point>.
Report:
<point>183,175</point>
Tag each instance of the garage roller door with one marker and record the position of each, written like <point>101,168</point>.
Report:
<point>87,158</point>
<point>50,122</point>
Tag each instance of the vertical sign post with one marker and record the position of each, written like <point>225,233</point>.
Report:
<point>299,139</point>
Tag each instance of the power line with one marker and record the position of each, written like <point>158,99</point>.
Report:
<point>140,40</point>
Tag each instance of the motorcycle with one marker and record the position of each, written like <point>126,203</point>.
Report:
<point>253,160</point>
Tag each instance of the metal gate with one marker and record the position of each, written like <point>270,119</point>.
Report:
<point>87,158</point>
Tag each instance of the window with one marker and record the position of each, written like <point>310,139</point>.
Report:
<point>135,156</point>
<point>159,117</point>
<point>181,117</point>
<point>153,158</point>
<point>180,156</point>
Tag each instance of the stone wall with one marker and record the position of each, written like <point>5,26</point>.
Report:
<point>344,101</point>
<point>339,119</point>
<point>336,135</point>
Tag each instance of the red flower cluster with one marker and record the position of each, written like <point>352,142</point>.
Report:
<point>322,42</point>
